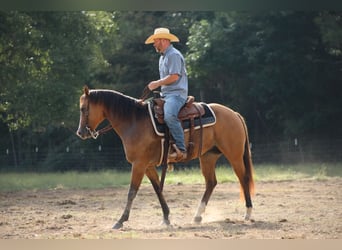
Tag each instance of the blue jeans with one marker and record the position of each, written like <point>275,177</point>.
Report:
<point>173,103</point>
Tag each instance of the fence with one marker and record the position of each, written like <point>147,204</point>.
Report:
<point>298,151</point>
<point>103,157</point>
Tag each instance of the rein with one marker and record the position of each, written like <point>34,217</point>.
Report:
<point>146,92</point>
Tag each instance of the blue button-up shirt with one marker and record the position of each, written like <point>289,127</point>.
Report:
<point>172,62</point>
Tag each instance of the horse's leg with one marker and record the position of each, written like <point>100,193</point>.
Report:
<point>152,174</point>
<point>244,179</point>
<point>136,178</point>
<point>207,163</point>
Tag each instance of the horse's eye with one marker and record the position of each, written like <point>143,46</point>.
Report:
<point>83,109</point>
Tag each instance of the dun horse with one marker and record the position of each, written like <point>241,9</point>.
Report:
<point>131,121</point>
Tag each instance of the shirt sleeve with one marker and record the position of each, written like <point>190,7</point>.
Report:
<point>174,64</point>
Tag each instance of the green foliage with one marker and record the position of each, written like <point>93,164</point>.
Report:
<point>280,69</point>
<point>46,58</point>
<point>330,24</point>
<point>271,67</point>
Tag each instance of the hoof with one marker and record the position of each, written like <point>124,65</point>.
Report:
<point>118,225</point>
<point>165,223</point>
<point>170,167</point>
<point>198,219</point>
<point>248,213</point>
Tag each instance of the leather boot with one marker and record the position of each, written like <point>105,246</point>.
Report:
<point>177,155</point>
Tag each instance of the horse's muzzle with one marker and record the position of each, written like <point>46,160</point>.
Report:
<point>83,133</point>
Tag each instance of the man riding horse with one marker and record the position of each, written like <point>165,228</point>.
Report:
<point>227,135</point>
<point>173,83</point>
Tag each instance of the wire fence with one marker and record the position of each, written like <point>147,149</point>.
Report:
<point>78,158</point>
<point>294,151</point>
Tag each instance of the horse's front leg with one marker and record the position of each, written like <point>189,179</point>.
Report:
<point>136,178</point>
<point>152,174</point>
<point>124,217</point>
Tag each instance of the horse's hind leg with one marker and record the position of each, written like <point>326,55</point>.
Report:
<point>152,174</point>
<point>244,179</point>
<point>207,163</point>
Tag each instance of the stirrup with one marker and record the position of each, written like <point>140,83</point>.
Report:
<point>177,150</point>
<point>177,155</point>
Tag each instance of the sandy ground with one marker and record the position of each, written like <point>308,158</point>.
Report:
<point>301,209</point>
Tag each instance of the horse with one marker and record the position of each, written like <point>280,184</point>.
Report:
<point>131,121</point>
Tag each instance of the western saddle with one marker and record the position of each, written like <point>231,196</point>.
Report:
<point>189,111</point>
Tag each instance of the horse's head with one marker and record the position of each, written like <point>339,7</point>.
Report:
<point>90,116</point>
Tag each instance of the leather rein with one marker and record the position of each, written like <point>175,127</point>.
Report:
<point>146,92</point>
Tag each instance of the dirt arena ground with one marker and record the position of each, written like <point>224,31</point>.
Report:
<point>301,209</point>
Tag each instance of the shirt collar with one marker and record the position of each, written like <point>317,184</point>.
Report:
<point>167,50</point>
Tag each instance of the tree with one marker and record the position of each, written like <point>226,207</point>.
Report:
<point>280,69</point>
<point>45,59</point>
<point>270,67</point>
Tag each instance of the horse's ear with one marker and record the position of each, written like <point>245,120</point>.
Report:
<point>86,90</point>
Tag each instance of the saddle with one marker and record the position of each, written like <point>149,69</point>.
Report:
<point>190,110</point>
<point>193,116</point>
<point>188,113</point>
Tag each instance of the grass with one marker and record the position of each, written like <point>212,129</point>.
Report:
<point>67,180</point>
<point>318,171</point>
<point>112,178</point>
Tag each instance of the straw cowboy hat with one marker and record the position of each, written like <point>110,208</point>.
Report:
<point>163,33</point>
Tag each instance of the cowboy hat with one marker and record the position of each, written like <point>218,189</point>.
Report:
<point>163,33</point>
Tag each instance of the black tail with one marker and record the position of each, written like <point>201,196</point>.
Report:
<point>247,159</point>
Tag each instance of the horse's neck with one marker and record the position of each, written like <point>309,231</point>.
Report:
<point>124,113</point>
<point>128,129</point>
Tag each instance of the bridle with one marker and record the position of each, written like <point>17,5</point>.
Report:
<point>93,133</point>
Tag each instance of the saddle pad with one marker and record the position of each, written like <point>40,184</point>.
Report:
<point>208,119</point>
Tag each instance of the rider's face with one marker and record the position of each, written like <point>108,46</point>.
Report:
<point>160,44</point>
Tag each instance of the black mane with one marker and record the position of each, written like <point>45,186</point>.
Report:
<point>120,105</point>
